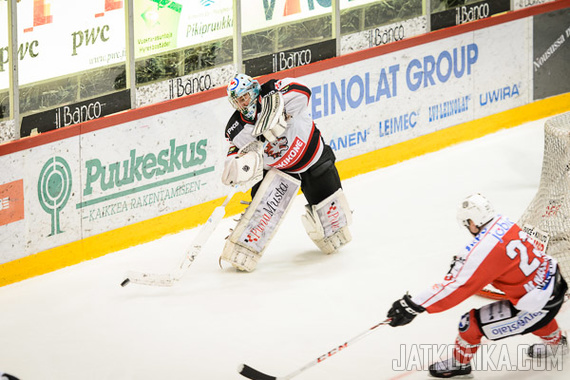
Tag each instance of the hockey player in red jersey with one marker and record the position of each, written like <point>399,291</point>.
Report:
<point>504,256</point>
<point>275,147</point>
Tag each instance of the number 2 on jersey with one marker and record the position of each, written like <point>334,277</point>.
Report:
<point>516,247</point>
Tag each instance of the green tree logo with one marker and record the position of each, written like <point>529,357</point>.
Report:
<point>54,189</point>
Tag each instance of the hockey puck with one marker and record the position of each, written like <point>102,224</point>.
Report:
<point>125,282</point>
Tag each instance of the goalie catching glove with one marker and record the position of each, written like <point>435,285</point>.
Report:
<point>403,311</point>
<point>246,168</point>
<point>272,120</point>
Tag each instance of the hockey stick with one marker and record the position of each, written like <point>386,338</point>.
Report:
<point>252,373</point>
<point>168,279</point>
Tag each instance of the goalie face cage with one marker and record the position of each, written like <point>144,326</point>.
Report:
<point>549,211</point>
<point>242,95</point>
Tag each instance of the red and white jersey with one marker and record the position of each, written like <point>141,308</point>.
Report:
<point>301,144</point>
<point>502,255</point>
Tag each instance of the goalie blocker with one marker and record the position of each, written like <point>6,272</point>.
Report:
<point>272,120</point>
<point>257,226</point>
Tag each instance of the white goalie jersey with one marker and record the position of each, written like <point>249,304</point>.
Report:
<point>299,146</point>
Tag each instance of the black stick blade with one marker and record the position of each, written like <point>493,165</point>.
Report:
<point>125,282</point>
<point>253,374</point>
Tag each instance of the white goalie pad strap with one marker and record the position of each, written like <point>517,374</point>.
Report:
<point>327,223</point>
<point>240,257</point>
<point>258,224</point>
<point>243,169</point>
<point>271,122</point>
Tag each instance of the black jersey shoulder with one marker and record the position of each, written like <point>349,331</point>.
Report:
<point>268,87</point>
<point>235,125</point>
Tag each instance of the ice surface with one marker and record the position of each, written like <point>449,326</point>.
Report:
<point>78,323</point>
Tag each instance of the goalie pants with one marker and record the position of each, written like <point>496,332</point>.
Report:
<point>502,319</point>
<point>319,182</point>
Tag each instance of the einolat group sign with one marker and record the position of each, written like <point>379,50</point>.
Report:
<point>385,100</point>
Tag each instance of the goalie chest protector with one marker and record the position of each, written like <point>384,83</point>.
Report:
<point>300,146</point>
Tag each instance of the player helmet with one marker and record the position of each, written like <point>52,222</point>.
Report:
<point>477,208</point>
<point>243,91</point>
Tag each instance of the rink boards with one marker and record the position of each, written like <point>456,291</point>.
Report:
<point>83,191</point>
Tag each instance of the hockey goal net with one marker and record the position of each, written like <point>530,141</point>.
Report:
<point>549,211</point>
<point>547,217</point>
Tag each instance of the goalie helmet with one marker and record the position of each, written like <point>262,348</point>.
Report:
<point>243,92</point>
<point>477,208</point>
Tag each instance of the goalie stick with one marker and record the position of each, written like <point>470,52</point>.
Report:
<point>252,373</point>
<point>168,279</point>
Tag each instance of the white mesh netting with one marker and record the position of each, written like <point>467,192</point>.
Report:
<point>549,211</point>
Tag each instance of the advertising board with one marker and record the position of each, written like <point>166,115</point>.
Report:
<point>395,97</point>
<point>101,179</point>
<point>110,178</point>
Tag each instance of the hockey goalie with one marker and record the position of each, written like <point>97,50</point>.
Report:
<point>276,149</point>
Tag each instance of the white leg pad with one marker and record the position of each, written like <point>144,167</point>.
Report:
<point>241,258</point>
<point>258,224</point>
<point>327,223</point>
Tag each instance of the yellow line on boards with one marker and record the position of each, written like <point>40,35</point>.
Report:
<point>152,229</point>
<point>453,135</point>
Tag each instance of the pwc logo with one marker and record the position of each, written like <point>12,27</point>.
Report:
<point>11,202</point>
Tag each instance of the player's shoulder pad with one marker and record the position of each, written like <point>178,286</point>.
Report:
<point>235,125</point>
<point>268,88</point>
<point>291,85</point>
<point>233,151</point>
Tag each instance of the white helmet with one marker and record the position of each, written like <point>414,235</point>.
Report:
<point>477,208</point>
<point>244,85</point>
